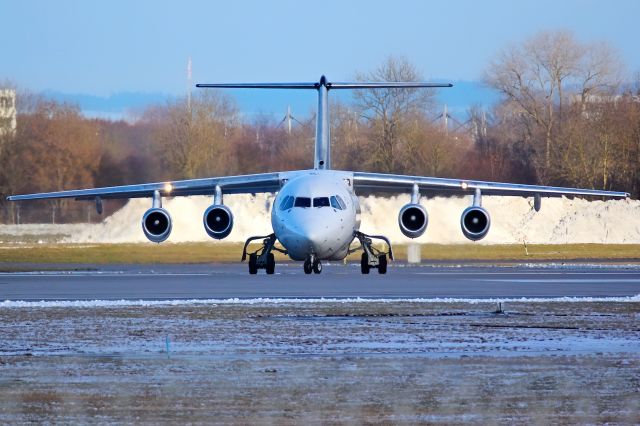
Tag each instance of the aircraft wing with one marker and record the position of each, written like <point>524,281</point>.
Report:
<point>244,184</point>
<point>402,183</point>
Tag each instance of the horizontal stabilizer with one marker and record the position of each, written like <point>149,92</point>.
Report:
<point>386,85</point>
<point>259,85</point>
<point>329,85</point>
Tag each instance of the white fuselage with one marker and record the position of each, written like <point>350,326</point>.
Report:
<point>316,214</point>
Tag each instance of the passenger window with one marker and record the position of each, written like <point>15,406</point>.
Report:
<point>343,206</point>
<point>303,202</point>
<point>334,203</point>
<point>321,202</point>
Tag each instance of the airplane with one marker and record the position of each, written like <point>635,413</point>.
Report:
<point>316,212</point>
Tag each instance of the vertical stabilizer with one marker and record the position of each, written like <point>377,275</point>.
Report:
<point>322,159</point>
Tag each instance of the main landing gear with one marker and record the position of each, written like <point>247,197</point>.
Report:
<point>371,256</point>
<point>262,258</point>
<point>312,264</point>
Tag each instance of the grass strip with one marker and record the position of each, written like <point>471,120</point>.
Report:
<point>231,252</point>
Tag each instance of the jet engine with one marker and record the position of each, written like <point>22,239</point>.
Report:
<point>218,221</point>
<point>475,223</point>
<point>156,224</point>
<point>413,220</point>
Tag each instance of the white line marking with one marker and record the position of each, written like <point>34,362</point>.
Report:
<point>538,273</point>
<point>49,274</point>
<point>565,280</point>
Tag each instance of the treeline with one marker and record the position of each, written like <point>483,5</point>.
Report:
<point>565,118</point>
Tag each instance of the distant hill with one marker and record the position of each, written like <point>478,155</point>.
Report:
<point>255,103</point>
<point>115,107</point>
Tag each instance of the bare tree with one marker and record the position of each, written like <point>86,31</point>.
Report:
<point>350,137</point>
<point>195,138</point>
<point>55,148</point>
<point>388,110</point>
<point>541,75</point>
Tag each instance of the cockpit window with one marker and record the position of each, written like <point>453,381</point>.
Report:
<point>340,202</point>
<point>321,202</point>
<point>286,203</point>
<point>334,203</point>
<point>302,202</point>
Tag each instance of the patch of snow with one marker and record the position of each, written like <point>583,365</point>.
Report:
<point>294,301</point>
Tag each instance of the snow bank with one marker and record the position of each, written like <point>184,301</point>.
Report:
<point>560,220</point>
<point>513,220</point>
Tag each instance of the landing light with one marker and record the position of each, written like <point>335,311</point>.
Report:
<point>168,187</point>
<point>464,185</point>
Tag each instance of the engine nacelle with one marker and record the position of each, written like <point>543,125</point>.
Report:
<point>413,220</point>
<point>218,221</point>
<point>156,224</point>
<point>475,223</point>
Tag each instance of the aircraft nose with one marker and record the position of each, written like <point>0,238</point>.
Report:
<point>309,233</point>
<point>306,235</point>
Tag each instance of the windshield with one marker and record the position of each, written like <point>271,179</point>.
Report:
<point>321,202</point>
<point>303,202</point>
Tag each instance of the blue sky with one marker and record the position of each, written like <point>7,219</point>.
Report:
<point>105,47</point>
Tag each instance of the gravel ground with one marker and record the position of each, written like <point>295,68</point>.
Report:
<point>292,363</point>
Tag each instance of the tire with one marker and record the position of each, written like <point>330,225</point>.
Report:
<point>317,267</point>
<point>308,267</point>
<point>364,264</point>
<point>271,264</point>
<point>253,264</point>
<point>382,264</point>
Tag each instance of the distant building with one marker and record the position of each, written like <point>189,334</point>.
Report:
<point>7,111</point>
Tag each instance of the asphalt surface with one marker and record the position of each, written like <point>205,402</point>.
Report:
<point>153,282</point>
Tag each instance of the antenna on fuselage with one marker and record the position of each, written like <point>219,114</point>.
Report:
<point>322,160</point>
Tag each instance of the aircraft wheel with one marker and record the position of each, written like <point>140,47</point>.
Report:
<point>382,264</point>
<point>317,267</point>
<point>271,264</point>
<point>253,264</point>
<point>308,267</point>
<point>364,263</point>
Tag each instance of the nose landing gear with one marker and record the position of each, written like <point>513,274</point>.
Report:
<point>372,257</point>
<point>311,264</point>
<point>262,258</point>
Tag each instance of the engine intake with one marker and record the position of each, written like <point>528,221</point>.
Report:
<point>413,220</point>
<point>218,221</point>
<point>475,223</point>
<point>156,224</point>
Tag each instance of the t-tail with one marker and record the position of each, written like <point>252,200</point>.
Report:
<point>322,160</point>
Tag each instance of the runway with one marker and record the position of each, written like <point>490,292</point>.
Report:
<point>223,281</point>
<point>420,344</point>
